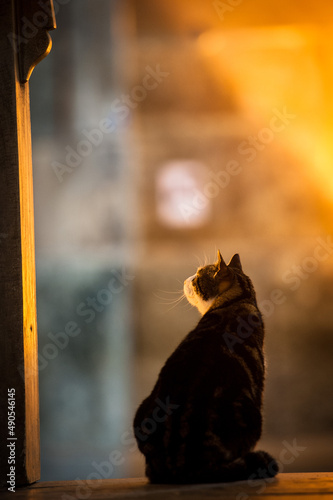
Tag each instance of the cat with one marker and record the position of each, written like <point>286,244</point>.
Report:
<point>203,418</point>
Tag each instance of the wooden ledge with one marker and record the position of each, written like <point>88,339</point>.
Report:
<point>287,485</point>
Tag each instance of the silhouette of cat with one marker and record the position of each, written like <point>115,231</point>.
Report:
<point>203,418</point>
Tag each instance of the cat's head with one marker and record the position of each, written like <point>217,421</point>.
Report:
<point>218,282</point>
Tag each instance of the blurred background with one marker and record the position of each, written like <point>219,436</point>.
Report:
<point>162,131</point>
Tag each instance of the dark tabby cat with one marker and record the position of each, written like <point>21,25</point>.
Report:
<point>203,418</point>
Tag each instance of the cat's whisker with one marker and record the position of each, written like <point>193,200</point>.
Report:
<point>177,303</point>
<point>206,260</point>
<point>215,253</point>
<point>198,259</point>
<point>170,300</point>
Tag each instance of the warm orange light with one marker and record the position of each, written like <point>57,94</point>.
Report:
<point>281,67</point>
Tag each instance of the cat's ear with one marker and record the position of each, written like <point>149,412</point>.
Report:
<point>235,262</point>
<point>220,265</point>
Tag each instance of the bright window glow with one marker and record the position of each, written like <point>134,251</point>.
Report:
<point>180,202</point>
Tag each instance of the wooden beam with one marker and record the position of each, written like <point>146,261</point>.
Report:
<point>23,42</point>
<point>292,486</point>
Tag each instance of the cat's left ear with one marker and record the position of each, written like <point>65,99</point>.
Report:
<point>235,262</point>
<point>220,264</point>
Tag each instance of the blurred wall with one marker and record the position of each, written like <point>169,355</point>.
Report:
<point>161,132</point>
<point>85,224</point>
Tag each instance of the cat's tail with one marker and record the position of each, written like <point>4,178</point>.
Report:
<point>254,465</point>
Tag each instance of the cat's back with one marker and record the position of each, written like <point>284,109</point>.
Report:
<point>214,352</point>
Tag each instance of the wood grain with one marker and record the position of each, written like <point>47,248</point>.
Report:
<point>18,326</point>
<point>288,486</point>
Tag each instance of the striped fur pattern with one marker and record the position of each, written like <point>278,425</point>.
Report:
<point>203,418</point>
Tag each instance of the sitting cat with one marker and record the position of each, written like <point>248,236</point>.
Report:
<point>203,418</point>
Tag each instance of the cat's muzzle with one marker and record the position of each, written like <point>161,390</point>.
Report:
<point>188,287</point>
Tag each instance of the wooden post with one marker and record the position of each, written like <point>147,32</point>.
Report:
<point>24,41</point>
